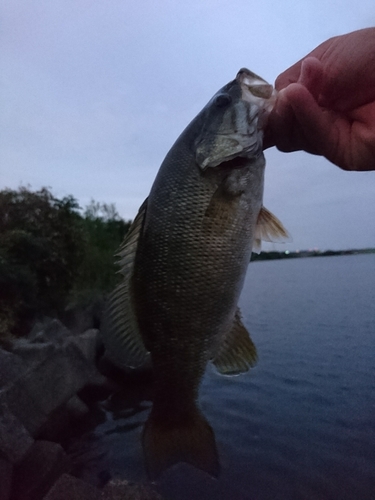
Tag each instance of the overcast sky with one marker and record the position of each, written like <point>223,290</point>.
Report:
<point>94,93</point>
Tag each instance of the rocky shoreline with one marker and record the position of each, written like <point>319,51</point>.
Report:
<point>41,379</point>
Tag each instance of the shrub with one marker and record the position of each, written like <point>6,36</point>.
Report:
<point>104,231</point>
<point>41,246</point>
<point>51,254</point>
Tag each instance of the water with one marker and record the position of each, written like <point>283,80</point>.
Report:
<point>301,425</point>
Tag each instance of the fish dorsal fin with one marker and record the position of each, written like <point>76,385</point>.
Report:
<point>128,247</point>
<point>120,331</point>
<point>269,228</point>
<point>236,352</point>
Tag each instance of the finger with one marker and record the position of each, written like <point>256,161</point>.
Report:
<point>284,128</point>
<point>311,76</point>
<point>281,129</point>
<point>299,123</point>
<point>330,134</point>
<point>316,125</point>
<point>291,75</point>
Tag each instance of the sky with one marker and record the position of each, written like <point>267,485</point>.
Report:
<point>93,95</point>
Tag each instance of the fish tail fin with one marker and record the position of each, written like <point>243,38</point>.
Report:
<point>191,441</point>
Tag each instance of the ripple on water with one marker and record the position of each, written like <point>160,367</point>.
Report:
<point>301,424</point>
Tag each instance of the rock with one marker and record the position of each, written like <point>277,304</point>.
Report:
<point>6,469</point>
<point>15,440</point>
<point>39,381</point>
<point>60,421</point>
<point>70,488</point>
<point>39,470</point>
<point>53,378</point>
<point>32,354</point>
<point>94,392</point>
<point>80,318</point>
<point>88,343</point>
<point>76,408</point>
<point>49,330</point>
<point>119,489</point>
<point>11,367</point>
<point>47,386</point>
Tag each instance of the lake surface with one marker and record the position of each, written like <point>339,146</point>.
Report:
<point>301,424</point>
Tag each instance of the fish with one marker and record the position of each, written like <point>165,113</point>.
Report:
<point>183,264</point>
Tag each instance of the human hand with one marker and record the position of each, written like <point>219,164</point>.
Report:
<point>326,103</point>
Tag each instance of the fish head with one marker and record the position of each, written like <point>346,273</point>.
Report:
<point>233,121</point>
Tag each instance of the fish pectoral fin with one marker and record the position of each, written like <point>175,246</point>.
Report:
<point>237,352</point>
<point>120,331</point>
<point>191,441</point>
<point>269,228</point>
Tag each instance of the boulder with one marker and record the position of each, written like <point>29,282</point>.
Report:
<point>40,377</point>
<point>70,488</point>
<point>48,330</point>
<point>88,343</point>
<point>55,373</point>
<point>39,470</point>
<point>15,440</point>
<point>32,354</point>
<point>82,317</point>
<point>47,385</point>
<point>11,367</point>
<point>6,470</point>
<point>120,489</point>
<point>60,422</point>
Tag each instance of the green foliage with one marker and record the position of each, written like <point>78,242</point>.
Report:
<point>104,231</point>
<point>51,254</point>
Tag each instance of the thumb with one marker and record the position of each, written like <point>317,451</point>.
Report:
<point>311,76</point>
<point>316,125</point>
<point>297,122</point>
<point>284,129</point>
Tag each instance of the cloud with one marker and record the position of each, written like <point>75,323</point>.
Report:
<point>95,93</point>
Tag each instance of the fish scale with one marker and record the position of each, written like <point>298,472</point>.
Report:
<point>184,264</point>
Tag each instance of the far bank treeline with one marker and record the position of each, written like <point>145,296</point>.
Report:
<point>53,255</point>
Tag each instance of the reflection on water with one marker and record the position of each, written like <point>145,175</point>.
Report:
<point>110,447</point>
<point>301,425</point>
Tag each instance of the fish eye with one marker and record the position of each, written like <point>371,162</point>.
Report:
<point>222,100</point>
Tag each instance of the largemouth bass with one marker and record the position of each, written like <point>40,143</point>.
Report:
<point>184,262</point>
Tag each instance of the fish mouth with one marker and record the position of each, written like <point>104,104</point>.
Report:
<point>241,120</point>
<point>236,163</point>
<point>238,159</point>
<point>258,92</point>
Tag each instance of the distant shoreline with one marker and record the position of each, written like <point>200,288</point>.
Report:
<point>273,255</point>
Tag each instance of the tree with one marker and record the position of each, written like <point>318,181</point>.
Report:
<point>104,231</point>
<point>41,247</point>
<point>52,256</point>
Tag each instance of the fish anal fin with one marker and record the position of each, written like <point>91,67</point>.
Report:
<point>191,441</point>
<point>120,331</point>
<point>269,228</point>
<point>237,352</point>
